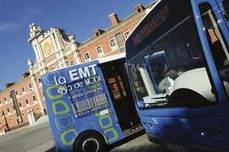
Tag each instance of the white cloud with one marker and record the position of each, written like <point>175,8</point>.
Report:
<point>8,26</point>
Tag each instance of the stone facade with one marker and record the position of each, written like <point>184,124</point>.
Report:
<point>55,49</point>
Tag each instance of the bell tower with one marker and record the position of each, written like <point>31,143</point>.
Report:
<point>35,33</point>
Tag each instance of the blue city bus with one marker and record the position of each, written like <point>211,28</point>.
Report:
<point>178,68</point>
<point>90,106</point>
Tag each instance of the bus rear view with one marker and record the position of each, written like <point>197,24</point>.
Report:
<point>90,106</point>
<point>178,66</point>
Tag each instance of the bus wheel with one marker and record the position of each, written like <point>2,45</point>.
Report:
<point>90,142</point>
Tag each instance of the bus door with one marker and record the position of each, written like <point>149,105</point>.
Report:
<point>123,102</point>
<point>215,40</point>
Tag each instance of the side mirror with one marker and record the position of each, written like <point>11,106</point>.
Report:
<point>226,8</point>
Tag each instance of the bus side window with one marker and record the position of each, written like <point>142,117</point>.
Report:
<point>216,39</point>
<point>114,88</point>
<point>121,86</point>
<point>216,42</point>
<point>226,8</point>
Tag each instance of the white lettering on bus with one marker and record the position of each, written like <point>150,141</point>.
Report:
<point>77,74</point>
<point>80,73</point>
<point>74,75</point>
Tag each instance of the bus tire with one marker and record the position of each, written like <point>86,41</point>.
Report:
<point>90,142</point>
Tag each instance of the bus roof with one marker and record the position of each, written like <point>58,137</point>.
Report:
<point>102,60</point>
<point>112,58</point>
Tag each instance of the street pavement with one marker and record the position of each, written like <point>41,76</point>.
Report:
<point>140,144</point>
<point>38,138</point>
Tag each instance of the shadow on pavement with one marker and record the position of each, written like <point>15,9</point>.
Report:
<point>51,150</point>
<point>142,148</point>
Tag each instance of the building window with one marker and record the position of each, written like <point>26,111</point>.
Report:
<point>30,86</point>
<point>34,98</point>
<point>120,41</point>
<point>53,68</point>
<point>23,89</point>
<point>99,50</point>
<point>19,104</point>
<point>37,108</point>
<point>72,62</point>
<point>86,56</point>
<point>26,101</point>
<point>16,93</point>
<point>8,110</point>
<point>139,10</point>
<point>112,42</point>
<point>4,98</point>
<point>39,80</point>
<point>3,113</point>
<point>126,34</point>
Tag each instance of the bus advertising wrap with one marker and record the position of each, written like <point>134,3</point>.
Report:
<point>78,99</point>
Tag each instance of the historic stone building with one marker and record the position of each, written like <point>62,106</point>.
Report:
<point>54,49</point>
<point>16,101</point>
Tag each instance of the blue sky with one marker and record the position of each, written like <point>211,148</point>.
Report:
<point>79,17</point>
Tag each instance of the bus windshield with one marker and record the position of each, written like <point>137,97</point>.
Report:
<point>172,63</point>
